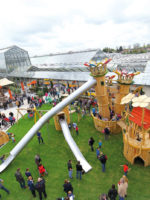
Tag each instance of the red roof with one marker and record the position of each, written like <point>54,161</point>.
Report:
<point>136,117</point>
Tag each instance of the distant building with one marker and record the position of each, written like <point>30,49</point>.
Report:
<point>12,59</point>
<point>16,65</point>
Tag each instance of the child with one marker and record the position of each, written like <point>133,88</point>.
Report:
<point>77,130</point>
<point>27,173</point>
<point>13,138</point>
<point>74,125</point>
<point>69,126</point>
<point>2,158</point>
<point>9,135</point>
<point>42,170</point>
<point>100,144</point>
<point>97,152</point>
<point>125,169</point>
<point>70,195</point>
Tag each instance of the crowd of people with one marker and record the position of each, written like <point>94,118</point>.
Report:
<point>84,106</point>
<point>123,182</point>
<point>6,121</point>
<point>39,186</point>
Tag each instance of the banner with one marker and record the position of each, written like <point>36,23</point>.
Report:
<point>22,86</point>
<point>10,94</point>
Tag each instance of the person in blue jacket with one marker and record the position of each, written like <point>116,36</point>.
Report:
<point>39,136</point>
<point>31,186</point>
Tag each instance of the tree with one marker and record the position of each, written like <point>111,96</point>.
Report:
<point>120,49</point>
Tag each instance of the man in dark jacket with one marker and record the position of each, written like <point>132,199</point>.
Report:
<point>79,170</point>
<point>20,178</point>
<point>91,142</point>
<point>67,186</point>
<point>112,193</point>
<point>40,187</point>
<point>103,159</point>
<point>107,133</point>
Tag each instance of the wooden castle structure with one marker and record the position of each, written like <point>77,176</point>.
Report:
<point>109,96</point>
<point>136,132</point>
<point>3,138</point>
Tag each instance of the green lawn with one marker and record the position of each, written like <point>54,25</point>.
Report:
<point>55,154</point>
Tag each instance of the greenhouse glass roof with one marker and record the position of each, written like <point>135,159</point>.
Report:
<point>70,66</point>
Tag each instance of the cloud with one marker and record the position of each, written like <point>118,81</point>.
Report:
<point>45,26</point>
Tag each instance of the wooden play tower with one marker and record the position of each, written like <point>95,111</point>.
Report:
<point>61,115</point>
<point>124,82</point>
<point>136,132</point>
<point>101,90</point>
<point>104,90</point>
<point>98,71</point>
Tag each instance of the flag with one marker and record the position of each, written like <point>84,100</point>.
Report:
<point>10,95</point>
<point>22,86</point>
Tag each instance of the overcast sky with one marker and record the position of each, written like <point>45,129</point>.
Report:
<point>48,26</point>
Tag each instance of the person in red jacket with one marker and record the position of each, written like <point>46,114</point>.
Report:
<point>125,169</point>
<point>42,170</point>
<point>77,130</point>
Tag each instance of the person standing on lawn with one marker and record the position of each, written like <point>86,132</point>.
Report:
<point>126,184</point>
<point>27,173</point>
<point>67,186</point>
<point>121,189</point>
<point>70,168</point>
<point>106,132</point>
<point>31,186</point>
<point>39,136</point>
<point>100,144</point>
<point>91,142</point>
<point>40,187</point>
<point>37,160</point>
<point>97,152</point>
<point>2,187</point>
<point>42,170</point>
<point>77,130</point>
<point>112,193</point>
<point>103,159</point>
<point>79,170</point>
<point>125,169</point>
<point>20,178</point>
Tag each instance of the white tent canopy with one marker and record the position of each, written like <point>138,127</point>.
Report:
<point>5,81</point>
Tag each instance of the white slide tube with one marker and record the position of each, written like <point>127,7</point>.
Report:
<point>74,148</point>
<point>43,120</point>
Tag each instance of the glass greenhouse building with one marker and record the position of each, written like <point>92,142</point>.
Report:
<point>15,64</point>
<point>13,59</point>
